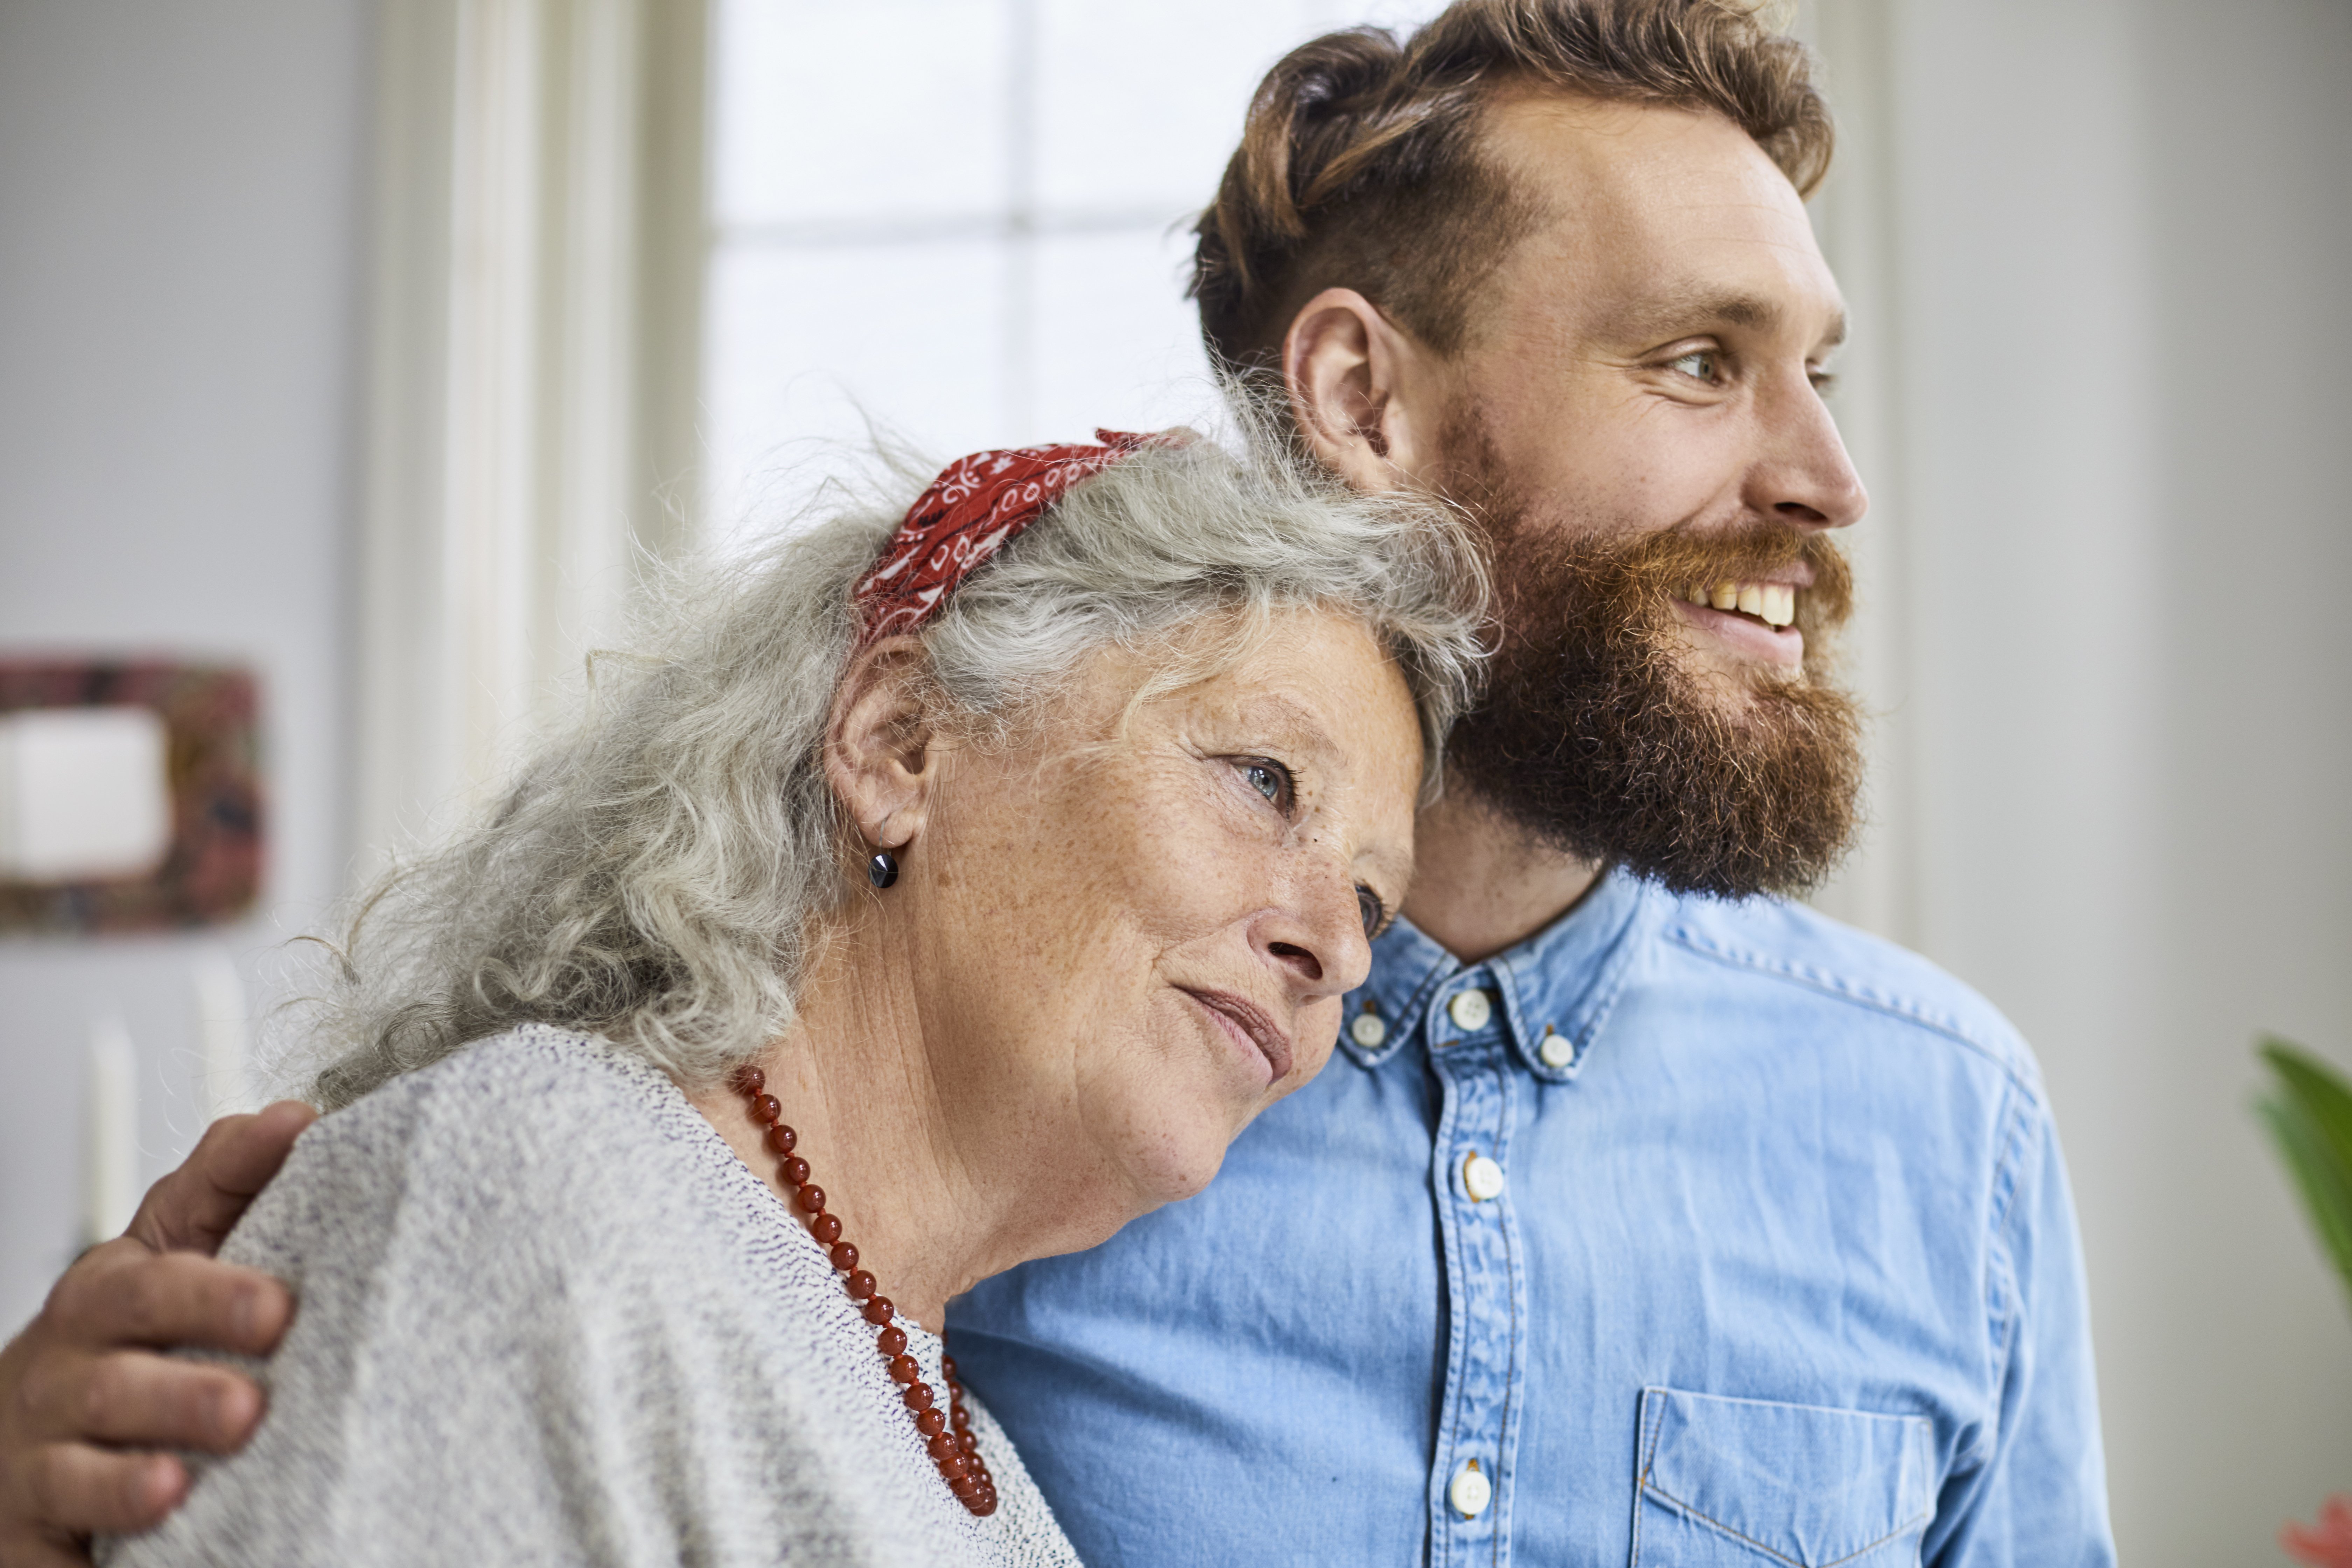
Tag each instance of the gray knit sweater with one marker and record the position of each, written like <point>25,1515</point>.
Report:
<point>546,1316</point>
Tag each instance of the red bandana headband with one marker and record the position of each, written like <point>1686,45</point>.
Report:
<point>972,508</point>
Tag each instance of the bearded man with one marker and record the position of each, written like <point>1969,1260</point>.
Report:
<point>1649,1218</point>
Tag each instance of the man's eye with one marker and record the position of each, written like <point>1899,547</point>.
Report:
<point>1271,779</point>
<point>1368,904</point>
<point>1698,366</point>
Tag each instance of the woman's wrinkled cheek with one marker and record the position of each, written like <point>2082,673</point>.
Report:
<point>1149,1118</point>
<point>1318,1035</point>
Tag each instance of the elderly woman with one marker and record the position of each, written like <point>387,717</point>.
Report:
<point>927,901</point>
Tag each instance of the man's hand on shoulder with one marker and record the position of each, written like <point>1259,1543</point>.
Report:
<point>86,1395</point>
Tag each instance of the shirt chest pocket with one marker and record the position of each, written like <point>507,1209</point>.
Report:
<point>1741,1483</point>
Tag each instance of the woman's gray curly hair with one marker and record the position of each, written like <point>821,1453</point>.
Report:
<point>652,876</point>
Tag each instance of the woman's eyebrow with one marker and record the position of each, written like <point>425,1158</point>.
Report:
<point>1288,719</point>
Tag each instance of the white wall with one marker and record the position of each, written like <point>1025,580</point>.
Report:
<point>180,256</point>
<point>2120,324</point>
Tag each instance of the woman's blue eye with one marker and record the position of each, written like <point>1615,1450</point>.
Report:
<point>1367,905</point>
<point>1272,780</point>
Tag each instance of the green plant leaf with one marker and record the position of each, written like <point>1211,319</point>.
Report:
<point>2309,1114</point>
<point>2323,1094</point>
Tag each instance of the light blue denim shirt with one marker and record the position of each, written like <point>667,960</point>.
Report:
<point>1709,1233</point>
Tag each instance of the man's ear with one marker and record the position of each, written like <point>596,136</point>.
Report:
<point>1368,398</point>
<point>883,749</point>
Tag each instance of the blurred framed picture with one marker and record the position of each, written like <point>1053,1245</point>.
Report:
<point>130,794</point>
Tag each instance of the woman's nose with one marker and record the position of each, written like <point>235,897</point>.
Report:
<point>1317,941</point>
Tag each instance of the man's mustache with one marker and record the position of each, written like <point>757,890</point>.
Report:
<point>1675,565</point>
<point>1623,585</point>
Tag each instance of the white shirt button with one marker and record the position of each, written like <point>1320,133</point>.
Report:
<point>1471,1491</point>
<point>1556,1050</point>
<point>1368,1030</point>
<point>1482,1178</point>
<point>1470,1010</point>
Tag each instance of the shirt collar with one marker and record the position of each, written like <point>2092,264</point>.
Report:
<point>1562,980</point>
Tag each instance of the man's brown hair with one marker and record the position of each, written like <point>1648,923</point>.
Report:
<point>1359,167</point>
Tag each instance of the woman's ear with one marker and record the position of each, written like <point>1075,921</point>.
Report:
<point>883,749</point>
<point>1366,395</point>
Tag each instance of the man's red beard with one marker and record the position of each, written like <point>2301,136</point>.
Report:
<point>1598,734</point>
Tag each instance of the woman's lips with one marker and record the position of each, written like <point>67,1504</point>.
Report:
<point>1249,1024</point>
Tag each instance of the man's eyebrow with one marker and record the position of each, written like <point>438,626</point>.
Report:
<point>1698,308</point>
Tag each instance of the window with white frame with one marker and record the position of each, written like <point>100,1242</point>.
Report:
<point>968,219</point>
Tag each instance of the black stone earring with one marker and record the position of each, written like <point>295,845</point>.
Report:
<point>883,868</point>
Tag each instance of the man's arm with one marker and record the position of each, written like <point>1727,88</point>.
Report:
<point>85,1396</point>
<point>2038,1496</point>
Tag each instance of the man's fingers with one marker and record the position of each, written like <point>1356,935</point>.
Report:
<point>77,1489</point>
<point>142,1399</point>
<point>122,1294</point>
<point>71,1373</point>
<point>247,1159</point>
<point>197,1205</point>
<point>36,1553</point>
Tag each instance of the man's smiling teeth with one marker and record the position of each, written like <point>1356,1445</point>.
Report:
<point>1774,604</point>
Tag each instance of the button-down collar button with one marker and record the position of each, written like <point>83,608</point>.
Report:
<point>1368,1030</point>
<point>1555,1050</point>
<point>1471,1491</point>
<point>1470,1010</point>
<point>1482,1179</point>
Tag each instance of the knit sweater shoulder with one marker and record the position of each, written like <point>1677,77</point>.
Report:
<point>546,1315</point>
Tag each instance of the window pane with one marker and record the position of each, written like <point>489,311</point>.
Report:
<point>864,248</point>
<point>1118,343</point>
<point>880,110</point>
<point>1139,105</point>
<point>799,337</point>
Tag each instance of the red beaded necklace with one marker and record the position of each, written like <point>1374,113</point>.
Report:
<point>949,1437</point>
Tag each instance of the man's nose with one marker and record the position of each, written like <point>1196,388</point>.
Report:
<point>1803,475</point>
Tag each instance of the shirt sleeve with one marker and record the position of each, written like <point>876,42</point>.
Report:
<point>2033,1492</point>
